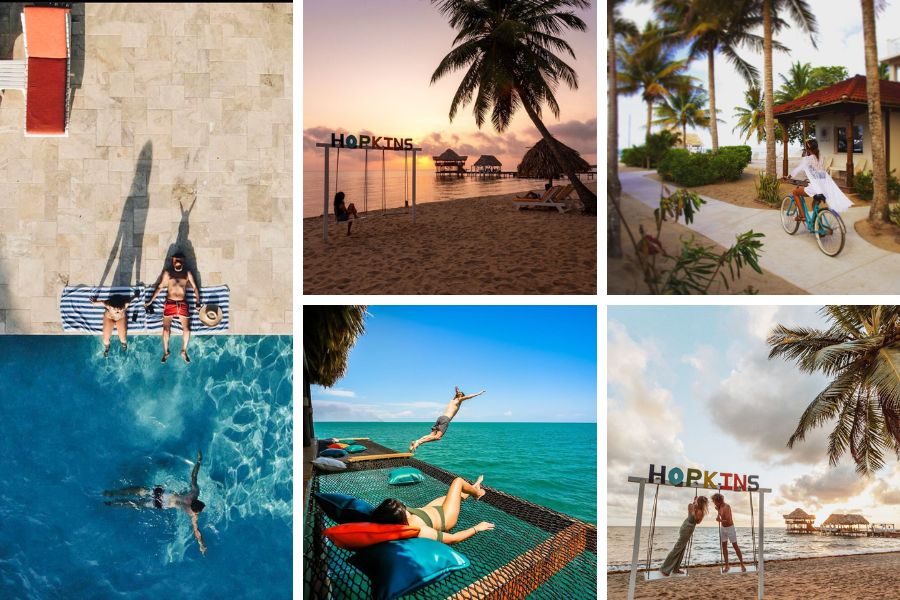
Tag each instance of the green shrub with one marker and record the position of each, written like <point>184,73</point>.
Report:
<point>693,169</point>
<point>636,156</point>
<point>649,155</point>
<point>894,214</point>
<point>864,185</point>
<point>767,189</point>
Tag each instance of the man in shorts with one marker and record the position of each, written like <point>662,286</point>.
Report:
<point>443,421</point>
<point>176,282</point>
<point>726,531</point>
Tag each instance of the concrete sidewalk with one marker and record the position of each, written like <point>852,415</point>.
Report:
<point>860,268</point>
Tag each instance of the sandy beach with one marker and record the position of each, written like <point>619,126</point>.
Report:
<point>477,245</point>
<point>624,275</point>
<point>857,576</point>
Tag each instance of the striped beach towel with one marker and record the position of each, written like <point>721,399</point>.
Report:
<point>210,295</point>
<point>78,314</point>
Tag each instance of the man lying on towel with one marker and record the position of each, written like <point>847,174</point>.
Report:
<point>176,305</point>
<point>443,421</point>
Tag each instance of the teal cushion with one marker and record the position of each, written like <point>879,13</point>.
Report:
<point>333,453</point>
<point>355,448</point>
<point>405,476</point>
<point>402,567</point>
<point>343,508</point>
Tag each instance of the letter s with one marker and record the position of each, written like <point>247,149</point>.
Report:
<point>752,483</point>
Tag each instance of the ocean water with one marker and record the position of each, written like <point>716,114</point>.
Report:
<point>73,425</point>
<point>779,545</point>
<point>428,188</point>
<point>550,464</point>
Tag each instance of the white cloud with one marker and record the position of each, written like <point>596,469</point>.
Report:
<point>825,485</point>
<point>337,392</point>
<point>507,413</point>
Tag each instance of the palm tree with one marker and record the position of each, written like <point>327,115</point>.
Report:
<point>684,107</point>
<point>802,16</point>
<point>884,71</point>
<point>798,83</point>
<point>860,353</point>
<point>647,64</point>
<point>751,118</point>
<point>329,332</point>
<point>710,27</point>
<point>878,212</point>
<point>614,26</point>
<point>508,49</point>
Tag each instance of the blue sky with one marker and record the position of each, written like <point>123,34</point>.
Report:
<point>537,363</point>
<point>693,386</point>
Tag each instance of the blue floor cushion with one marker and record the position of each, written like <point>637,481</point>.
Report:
<point>405,566</point>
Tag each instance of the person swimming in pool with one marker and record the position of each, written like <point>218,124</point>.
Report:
<point>176,283</point>
<point>160,499</point>
<point>440,426</point>
<point>438,517</point>
<point>115,311</point>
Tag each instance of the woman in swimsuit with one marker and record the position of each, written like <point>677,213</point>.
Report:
<point>158,498</point>
<point>435,520</point>
<point>114,317</point>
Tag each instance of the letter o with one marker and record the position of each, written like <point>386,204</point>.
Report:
<point>676,476</point>
<point>350,142</point>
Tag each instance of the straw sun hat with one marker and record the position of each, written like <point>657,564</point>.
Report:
<point>210,314</point>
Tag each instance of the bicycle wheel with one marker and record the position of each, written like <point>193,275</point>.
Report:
<point>789,215</point>
<point>830,232</point>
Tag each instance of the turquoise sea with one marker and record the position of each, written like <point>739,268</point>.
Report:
<point>551,464</point>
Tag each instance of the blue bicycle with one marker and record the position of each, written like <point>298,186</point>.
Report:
<point>825,223</point>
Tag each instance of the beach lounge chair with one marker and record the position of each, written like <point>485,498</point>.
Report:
<point>552,198</point>
<point>47,56</point>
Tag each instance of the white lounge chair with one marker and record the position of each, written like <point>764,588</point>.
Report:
<point>552,198</point>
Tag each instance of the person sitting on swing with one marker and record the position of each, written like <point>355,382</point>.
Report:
<point>726,531</point>
<point>343,212</point>
<point>696,511</point>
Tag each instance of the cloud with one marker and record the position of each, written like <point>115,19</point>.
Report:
<point>824,485</point>
<point>337,392</point>
<point>507,413</point>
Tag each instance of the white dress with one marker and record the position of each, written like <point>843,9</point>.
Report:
<point>820,182</point>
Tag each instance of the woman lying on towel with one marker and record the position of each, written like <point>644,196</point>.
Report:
<point>114,317</point>
<point>435,520</point>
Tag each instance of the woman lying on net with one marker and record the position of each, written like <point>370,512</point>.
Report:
<point>438,517</point>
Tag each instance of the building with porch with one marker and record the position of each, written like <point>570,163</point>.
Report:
<point>834,111</point>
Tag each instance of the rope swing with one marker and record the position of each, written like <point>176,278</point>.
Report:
<point>405,179</point>
<point>366,185</point>
<point>383,205</point>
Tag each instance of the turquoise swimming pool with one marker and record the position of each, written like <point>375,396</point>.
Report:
<point>73,425</point>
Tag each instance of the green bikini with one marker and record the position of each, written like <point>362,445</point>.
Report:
<point>424,516</point>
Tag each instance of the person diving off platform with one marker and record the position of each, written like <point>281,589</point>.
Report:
<point>443,421</point>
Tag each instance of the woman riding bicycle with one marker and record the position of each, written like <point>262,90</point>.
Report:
<point>820,182</point>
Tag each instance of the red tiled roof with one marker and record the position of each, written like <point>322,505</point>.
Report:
<point>849,90</point>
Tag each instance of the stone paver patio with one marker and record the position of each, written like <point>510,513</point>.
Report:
<point>179,136</point>
<point>860,268</point>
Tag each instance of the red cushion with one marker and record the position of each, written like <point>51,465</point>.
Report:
<point>45,32</point>
<point>355,536</point>
<point>338,445</point>
<point>45,110</point>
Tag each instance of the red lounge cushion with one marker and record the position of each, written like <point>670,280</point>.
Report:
<point>45,110</point>
<point>338,445</point>
<point>45,32</point>
<point>355,536</point>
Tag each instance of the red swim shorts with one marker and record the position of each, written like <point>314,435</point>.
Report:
<point>175,307</point>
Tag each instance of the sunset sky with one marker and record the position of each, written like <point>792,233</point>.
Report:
<point>367,67</point>
<point>708,397</point>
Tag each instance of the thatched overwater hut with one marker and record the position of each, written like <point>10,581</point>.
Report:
<point>847,525</point>
<point>487,165</point>
<point>449,164</point>
<point>540,162</point>
<point>799,522</point>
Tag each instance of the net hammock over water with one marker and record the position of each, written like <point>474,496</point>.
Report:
<point>533,552</point>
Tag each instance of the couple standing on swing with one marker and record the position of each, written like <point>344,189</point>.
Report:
<point>696,511</point>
